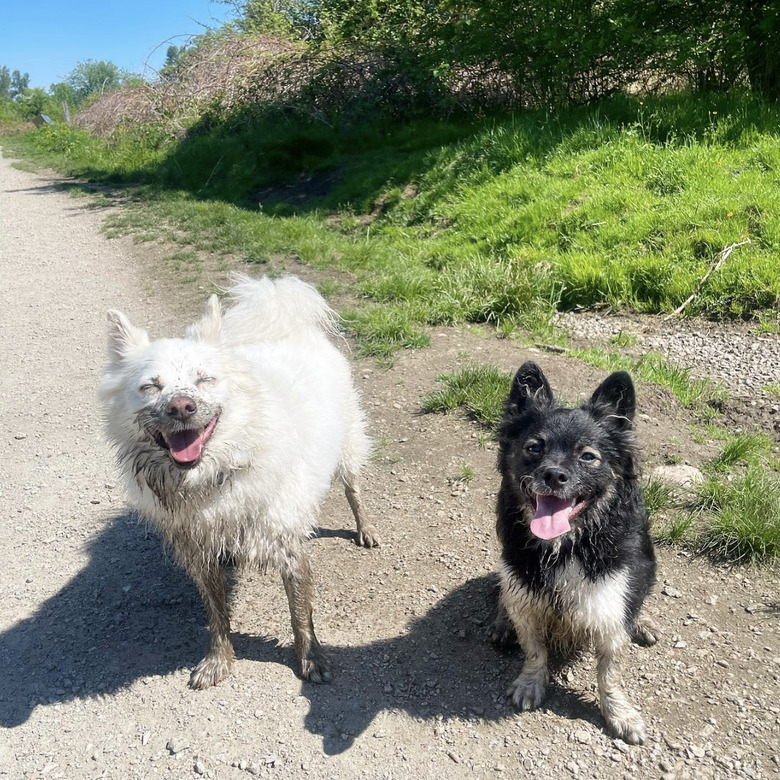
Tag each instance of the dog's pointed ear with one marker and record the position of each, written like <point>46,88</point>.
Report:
<point>124,339</point>
<point>209,327</point>
<point>530,385</point>
<point>615,399</point>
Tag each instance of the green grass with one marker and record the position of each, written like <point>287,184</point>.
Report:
<point>465,473</point>
<point>481,390</point>
<point>652,367</point>
<point>675,531</point>
<point>773,389</point>
<point>500,220</point>
<point>744,517</point>
<point>743,448</point>
<point>734,516</point>
<point>623,339</point>
<point>658,495</point>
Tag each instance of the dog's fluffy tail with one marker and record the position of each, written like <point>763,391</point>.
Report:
<point>268,309</point>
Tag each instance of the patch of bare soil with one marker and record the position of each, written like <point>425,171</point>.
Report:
<point>99,630</point>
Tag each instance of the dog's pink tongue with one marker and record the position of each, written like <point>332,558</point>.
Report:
<point>552,517</point>
<point>185,446</point>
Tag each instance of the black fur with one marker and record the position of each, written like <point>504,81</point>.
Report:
<point>611,532</point>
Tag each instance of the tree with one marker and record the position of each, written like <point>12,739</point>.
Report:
<point>63,93</point>
<point>34,102</point>
<point>5,83</point>
<point>761,23</point>
<point>90,77</point>
<point>20,83</point>
<point>291,19</point>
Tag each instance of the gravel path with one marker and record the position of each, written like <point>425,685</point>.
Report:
<point>731,354</point>
<point>98,630</point>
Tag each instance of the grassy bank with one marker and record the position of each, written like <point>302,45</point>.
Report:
<point>496,220</point>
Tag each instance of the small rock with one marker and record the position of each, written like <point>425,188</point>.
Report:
<point>200,768</point>
<point>678,474</point>
<point>680,644</point>
<point>176,745</point>
<point>20,436</point>
<point>453,756</point>
<point>672,592</point>
<point>583,737</point>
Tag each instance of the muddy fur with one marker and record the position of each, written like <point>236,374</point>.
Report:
<point>228,440</point>
<point>577,561</point>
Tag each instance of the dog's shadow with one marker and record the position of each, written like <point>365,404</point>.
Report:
<point>132,613</point>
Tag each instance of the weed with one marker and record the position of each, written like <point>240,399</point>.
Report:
<point>484,439</point>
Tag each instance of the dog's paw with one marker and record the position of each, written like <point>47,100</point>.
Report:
<point>627,724</point>
<point>501,632</point>
<point>368,536</point>
<point>316,668</point>
<point>646,632</point>
<point>211,670</point>
<point>527,691</point>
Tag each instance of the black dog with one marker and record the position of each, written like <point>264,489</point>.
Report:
<point>577,559</point>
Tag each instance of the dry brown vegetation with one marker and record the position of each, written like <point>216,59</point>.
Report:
<point>226,72</point>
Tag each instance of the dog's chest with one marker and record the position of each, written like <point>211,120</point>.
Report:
<point>571,605</point>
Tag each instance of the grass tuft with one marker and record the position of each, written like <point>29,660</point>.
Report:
<point>745,517</point>
<point>740,449</point>
<point>381,331</point>
<point>658,495</point>
<point>481,390</point>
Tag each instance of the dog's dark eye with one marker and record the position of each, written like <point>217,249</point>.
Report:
<point>589,456</point>
<point>150,388</point>
<point>534,448</point>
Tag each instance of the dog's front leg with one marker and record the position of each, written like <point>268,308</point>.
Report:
<point>299,585</point>
<point>528,690</point>
<point>212,584</point>
<point>623,719</point>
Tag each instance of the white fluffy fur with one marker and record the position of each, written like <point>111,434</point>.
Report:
<point>289,420</point>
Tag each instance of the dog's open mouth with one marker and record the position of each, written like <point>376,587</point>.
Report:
<point>186,447</point>
<point>553,515</point>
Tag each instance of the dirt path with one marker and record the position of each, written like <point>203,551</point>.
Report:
<point>98,630</point>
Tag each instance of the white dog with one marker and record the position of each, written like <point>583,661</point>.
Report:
<point>228,440</point>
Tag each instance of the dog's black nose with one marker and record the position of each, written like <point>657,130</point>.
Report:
<point>555,477</point>
<point>181,408</point>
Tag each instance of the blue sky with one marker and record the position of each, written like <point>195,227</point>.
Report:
<point>48,38</point>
